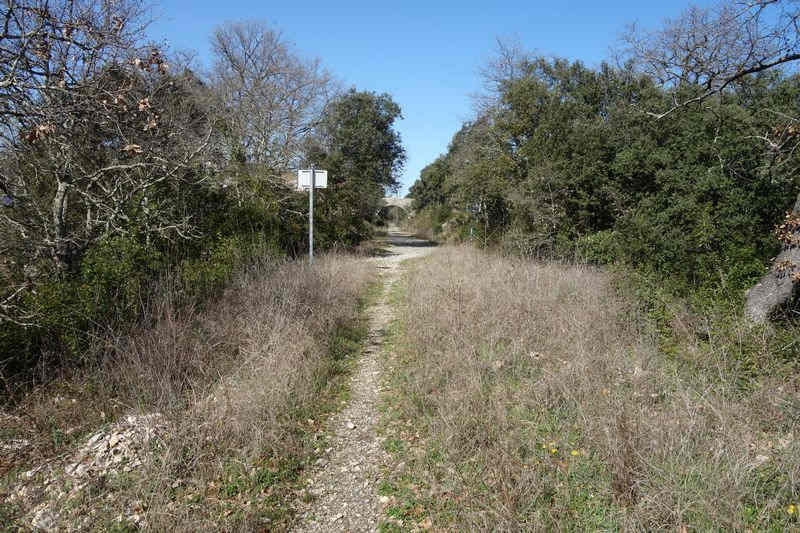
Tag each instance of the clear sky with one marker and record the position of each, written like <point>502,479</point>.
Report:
<point>426,55</point>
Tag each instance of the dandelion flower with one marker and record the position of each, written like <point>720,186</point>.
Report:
<point>791,509</point>
<point>573,453</point>
<point>553,450</point>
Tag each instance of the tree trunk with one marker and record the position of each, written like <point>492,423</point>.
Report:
<point>776,288</point>
<point>60,244</point>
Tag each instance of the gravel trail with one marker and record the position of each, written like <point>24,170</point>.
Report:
<point>344,483</point>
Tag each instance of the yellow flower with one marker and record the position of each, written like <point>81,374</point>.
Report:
<point>553,450</point>
<point>791,509</point>
<point>573,453</point>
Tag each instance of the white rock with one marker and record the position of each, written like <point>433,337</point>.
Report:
<point>96,437</point>
<point>15,444</point>
<point>761,459</point>
<point>43,519</point>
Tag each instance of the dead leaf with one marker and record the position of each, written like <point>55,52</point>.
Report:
<point>132,148</point>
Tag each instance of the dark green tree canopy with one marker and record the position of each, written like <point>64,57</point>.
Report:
<point>429,189</point>
<point>361,141</point>
<point>361,150</point>
<point>567,158</point>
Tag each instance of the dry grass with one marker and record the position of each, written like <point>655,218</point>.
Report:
<point>535,397</point>
<point>421,225</point>
<point>243,385</point>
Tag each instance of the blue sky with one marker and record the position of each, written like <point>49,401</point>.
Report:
<point>427,55</point>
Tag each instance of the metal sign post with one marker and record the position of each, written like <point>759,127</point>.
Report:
<point>311,179</point>
<point>311,218</point>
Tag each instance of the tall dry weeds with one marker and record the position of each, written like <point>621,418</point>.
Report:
<point>546,404</point>
<point>250,422</point>
<point>242,385</point>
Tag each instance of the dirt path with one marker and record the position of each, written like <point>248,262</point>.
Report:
<point>345,482</point>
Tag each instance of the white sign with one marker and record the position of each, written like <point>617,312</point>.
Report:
<point>304,179</point>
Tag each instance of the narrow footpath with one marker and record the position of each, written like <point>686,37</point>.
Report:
<point>344,483</point>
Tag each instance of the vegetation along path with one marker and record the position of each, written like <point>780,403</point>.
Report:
<point>344,483</point>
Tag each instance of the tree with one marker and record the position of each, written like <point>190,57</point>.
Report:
<point>710,49</point>
<point>364,155</point>
<point>707,52</point>
<point>429,189</point>
<point>268,97</point>
<point>481,169</point>
<point>96,135</point>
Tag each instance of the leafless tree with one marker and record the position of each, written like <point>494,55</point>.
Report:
<point>269,97</point>
<point>91,125</point>
<point>712,48</point>
<point>506,65</point>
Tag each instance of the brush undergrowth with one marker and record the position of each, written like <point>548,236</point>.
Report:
<point>243,384</point>
<point>530,396</point>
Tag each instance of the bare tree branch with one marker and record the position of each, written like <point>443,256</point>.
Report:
<point>712,48</point>
<point>269,97</point>
<point>95,127</point>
